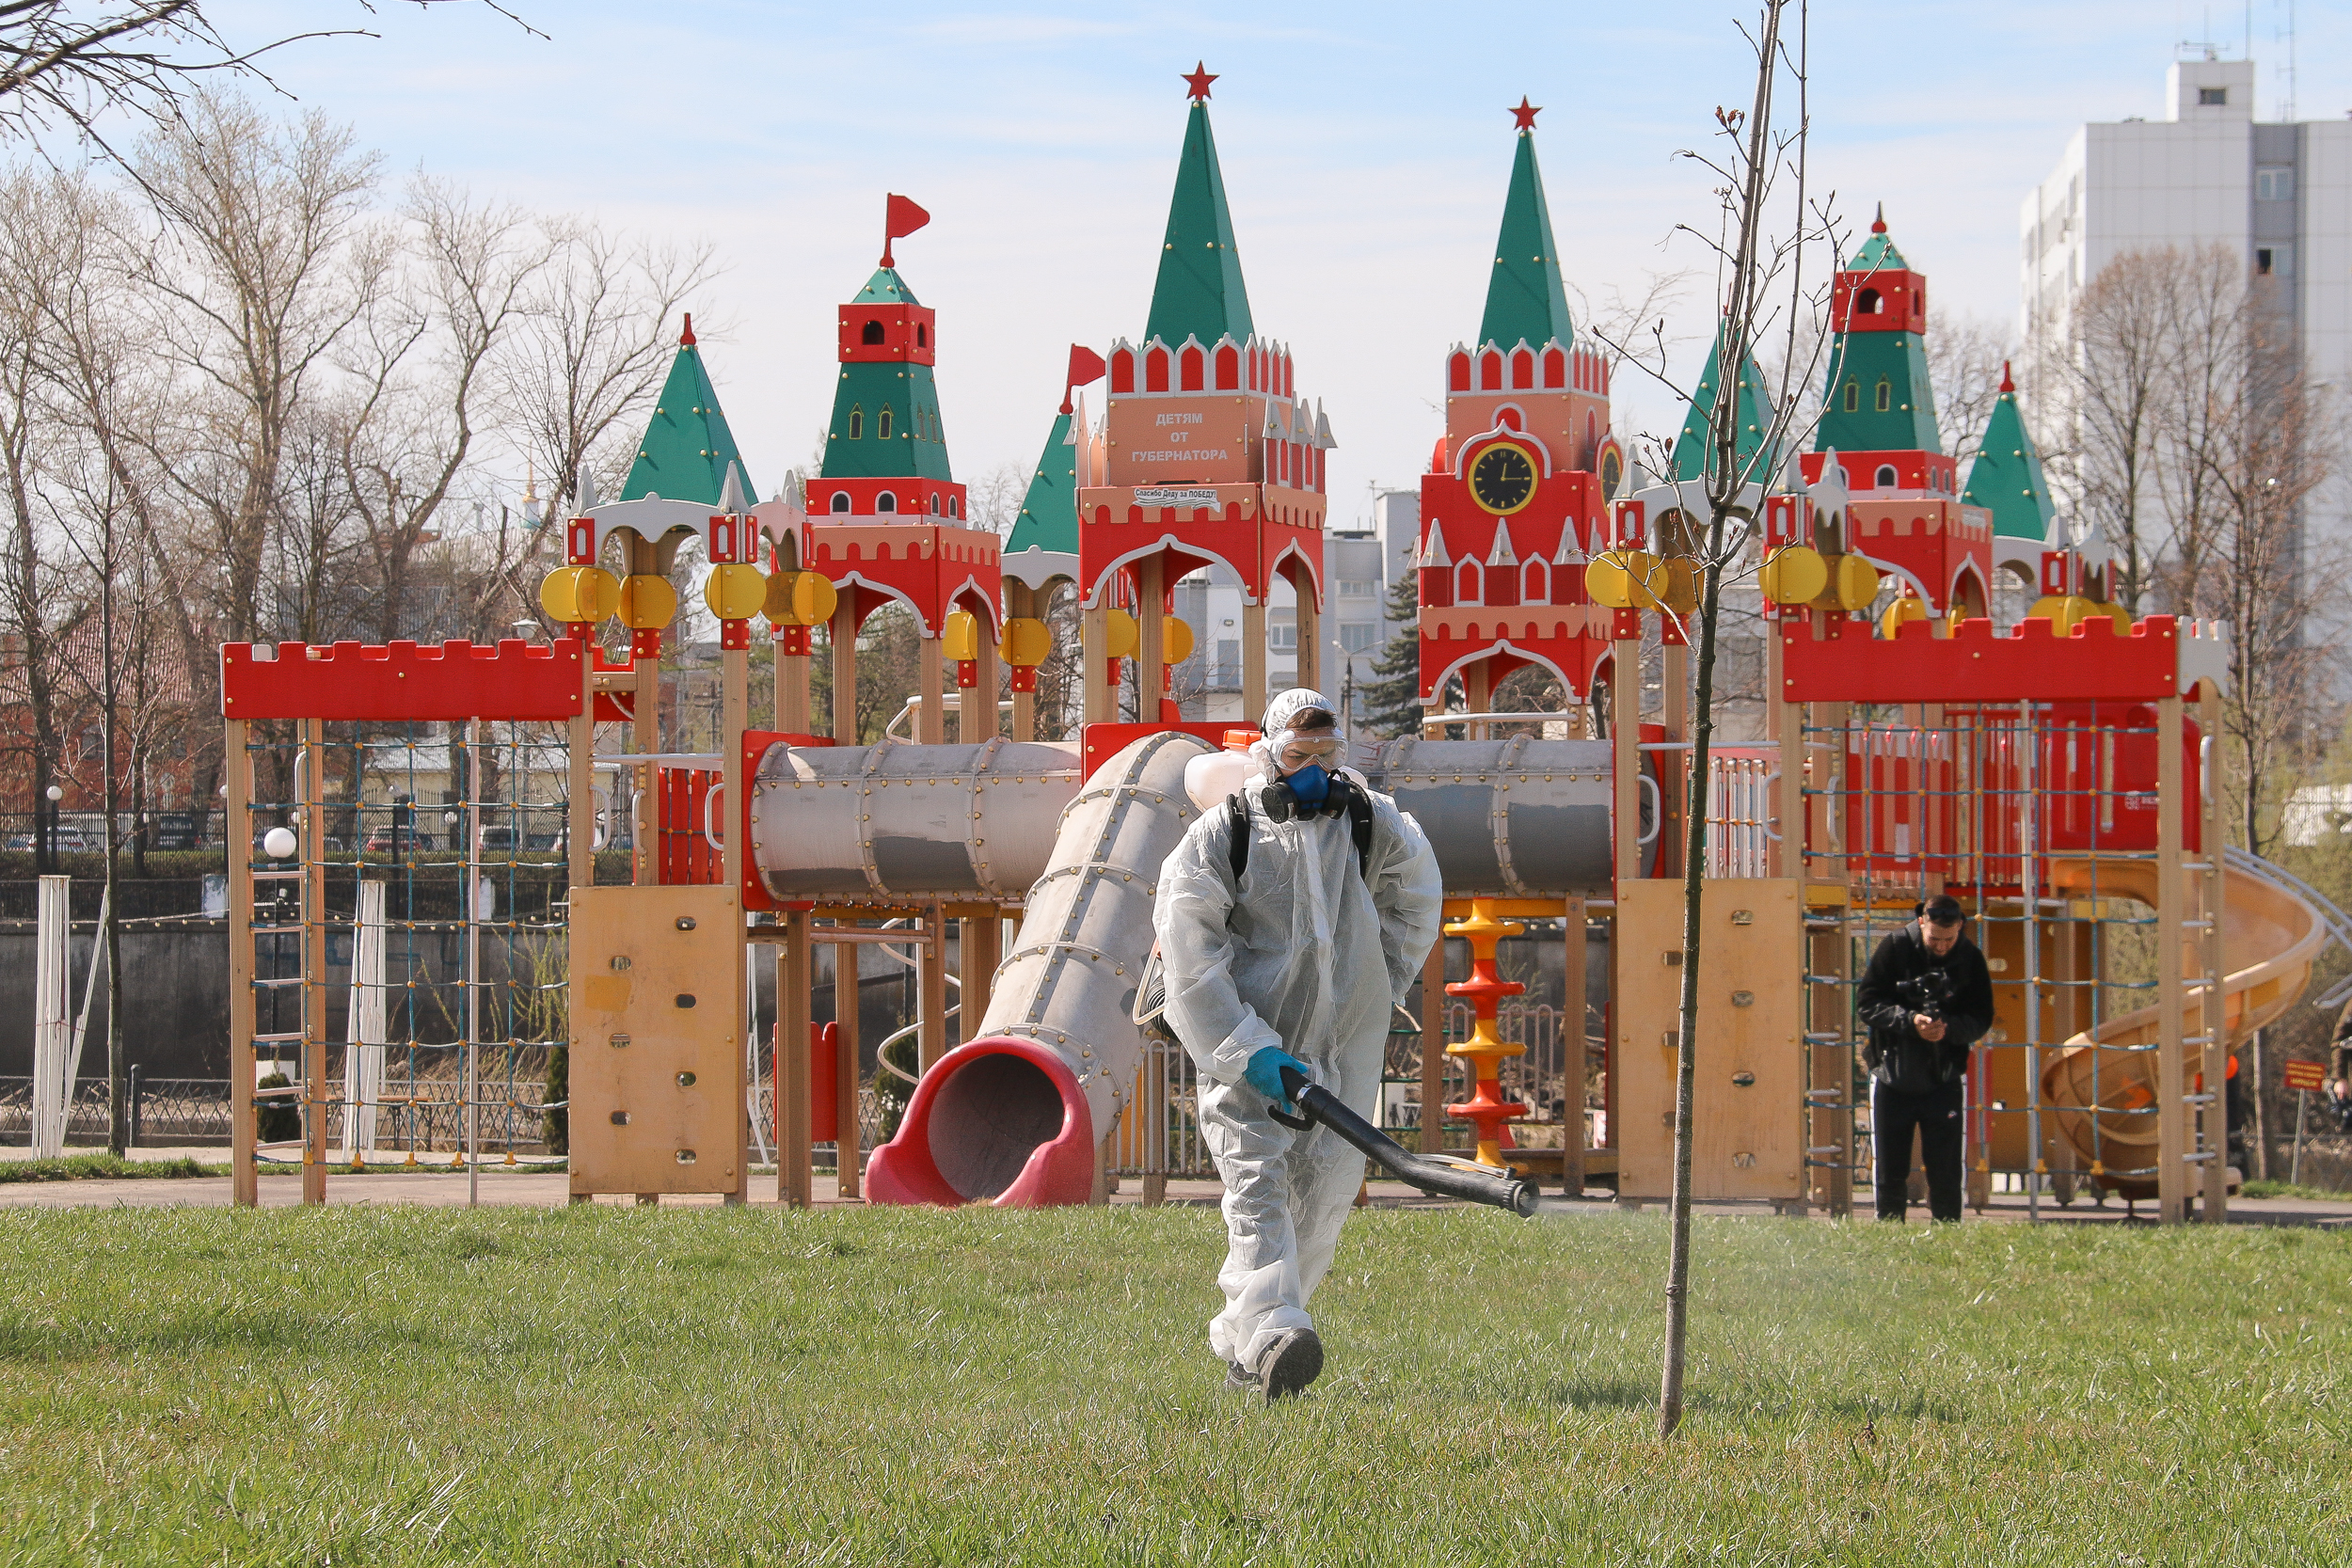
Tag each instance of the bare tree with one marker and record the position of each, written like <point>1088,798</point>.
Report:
<point>598,328</point>
<point>410,431</point>
<point>262,261</point>
<point>2106,380</point>
<point>65,63</point>
<point>1755,164</point>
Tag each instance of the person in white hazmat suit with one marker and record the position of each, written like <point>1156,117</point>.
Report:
<point>1297,961</point>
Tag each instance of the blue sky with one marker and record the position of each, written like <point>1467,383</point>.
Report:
<point>1365,152</point>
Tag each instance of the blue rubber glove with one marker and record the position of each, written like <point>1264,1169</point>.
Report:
<point>1264,1072</point>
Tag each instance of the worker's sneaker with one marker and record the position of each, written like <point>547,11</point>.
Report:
<point>1292,1360</point>
<point>1239,1376</point>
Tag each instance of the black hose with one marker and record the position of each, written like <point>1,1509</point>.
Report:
<point>1437,1177</point>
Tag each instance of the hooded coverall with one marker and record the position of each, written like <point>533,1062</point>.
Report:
<point>1308,953</point>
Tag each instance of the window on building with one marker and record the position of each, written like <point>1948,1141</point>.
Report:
<point>93,743</point>
<point>922,336</point>
<point>1469,584</point>
<point>886,503</point>
<point>2212,98</point>
<point>2274,261</point>
<point>882,424</point>
<point>857,422</point>
<point>1854,396</point>
<point>1357,635</point>
<point>1884,478</point>
<point>873,333</point>
<point>1350,589</point>
<point>841,501</point>
<point>1535,583</point>
<point>1227,662</point>
<point>1866,303</point>
<point>2274,184</point>
<point>1283,638</point>
<point>1885,402</point>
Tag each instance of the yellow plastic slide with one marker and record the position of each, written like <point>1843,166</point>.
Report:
<point>2270,938</point>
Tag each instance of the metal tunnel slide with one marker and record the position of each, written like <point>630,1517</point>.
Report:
<point>2272,935</point>
<point>1013,1116</point>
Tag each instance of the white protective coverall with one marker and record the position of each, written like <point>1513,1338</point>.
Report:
<point>1311,955</point>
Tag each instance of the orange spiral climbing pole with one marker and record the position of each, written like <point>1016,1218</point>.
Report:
<point>1486,1109</point>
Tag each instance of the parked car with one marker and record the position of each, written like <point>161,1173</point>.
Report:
<point>496,840</point>
<point>396,839</point>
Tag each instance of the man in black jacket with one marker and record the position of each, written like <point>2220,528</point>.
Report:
<point>1927,997</point>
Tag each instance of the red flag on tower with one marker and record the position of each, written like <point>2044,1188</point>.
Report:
<point>900,218</point>
<point>1085,367</point>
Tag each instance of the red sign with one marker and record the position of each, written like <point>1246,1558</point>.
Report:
<point>2305,1075</point>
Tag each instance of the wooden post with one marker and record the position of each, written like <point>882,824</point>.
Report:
<point>2171,1122</point>
<point>1101,697</point>
<point>979,718</point>
<point>930,719</point>
<point>646,731</point>
<point>1310,619</point>
<point>237,824</point>
<point>1432,1048</point>
<point>931,979</point>
<point>1625,746</point>
<point>1020,604</point>
<point>796,1186</point>
<point>844,640</point>
<point>1573,1053</point>
<point>844,1010</point>
<point>1674,683</point>
<point>1150,641</point>
<point>580,818</point>
<point>979,949</point>
<point>1478,696</point>
<point>734,700</point>
<point>2215,959</point>
<point>792,716</point>
<point>1254,692</point>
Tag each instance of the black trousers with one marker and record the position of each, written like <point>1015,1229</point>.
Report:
<point>1936,1115</point>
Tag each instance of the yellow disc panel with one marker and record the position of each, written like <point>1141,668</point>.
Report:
<point>1680,592</point>
<point>1119,634</point>
<point>1856,583</point>
<point>735,591</point>
<point>575,593</point>
<point>960,638</point>
<point>648,602</point>
<point>1026,643</point>
<point>1795,574</point>
<point>1902,612</point>
<point>1175,639</point>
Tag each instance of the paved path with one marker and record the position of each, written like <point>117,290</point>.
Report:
<point>446,1189</point>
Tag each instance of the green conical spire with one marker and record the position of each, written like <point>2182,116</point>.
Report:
<point>885,412</point>
<point>1200,292</point>
<point>1049,513</point>
<point>684,453</point>
<point>1527,297</point>
<point>2006,477</point>
<point>1691,450</point>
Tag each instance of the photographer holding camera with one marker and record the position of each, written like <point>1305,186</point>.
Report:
<point>1927,998</point>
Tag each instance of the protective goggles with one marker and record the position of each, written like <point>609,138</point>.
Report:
<point>1292,750</point>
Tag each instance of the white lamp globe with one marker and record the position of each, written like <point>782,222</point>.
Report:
<point>278,842</point>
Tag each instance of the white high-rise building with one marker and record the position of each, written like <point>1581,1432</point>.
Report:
<point>2208,172</point>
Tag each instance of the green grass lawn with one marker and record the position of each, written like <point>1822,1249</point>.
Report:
<point>606,1385</point>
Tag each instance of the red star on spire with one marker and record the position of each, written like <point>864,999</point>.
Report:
<point>1197,82</point>
<point>1525,114</point>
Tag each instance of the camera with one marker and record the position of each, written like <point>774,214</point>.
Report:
<point>1927,993</point>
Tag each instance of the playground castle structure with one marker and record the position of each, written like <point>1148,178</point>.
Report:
<point>2055,779</point>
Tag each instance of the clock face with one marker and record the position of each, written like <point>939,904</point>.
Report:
<point>1504,478</point>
